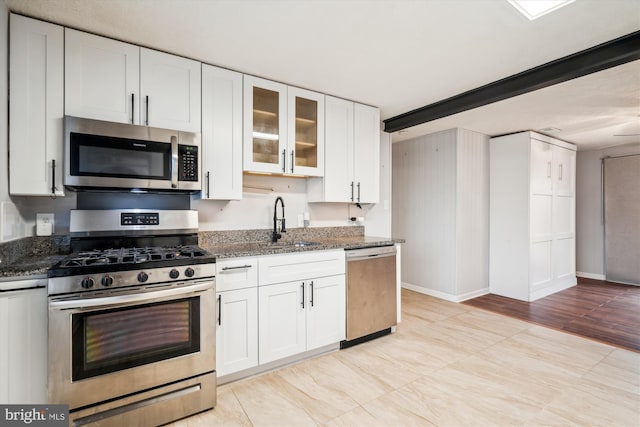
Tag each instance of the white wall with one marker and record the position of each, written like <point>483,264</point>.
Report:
<point>589,225</point>
<point>441,208</point>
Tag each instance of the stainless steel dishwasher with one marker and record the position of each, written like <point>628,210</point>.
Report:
<point>371,293</point>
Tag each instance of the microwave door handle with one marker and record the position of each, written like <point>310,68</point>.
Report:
<point>174,161</point>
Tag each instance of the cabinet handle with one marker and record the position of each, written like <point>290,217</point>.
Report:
<point>53,177</point>
<point>548,169</point>
<point>302,286</point>
<point>358,192</point>
<point>146,114</point>
<point>239,267</point>
<point>352,191</point>
<point>311,287</point>
<point>292,160</point>
<point>132,104</point>
<point>560,176</point>
<point>219,310</point>
<point>208,173</point>
<point>284,161</point>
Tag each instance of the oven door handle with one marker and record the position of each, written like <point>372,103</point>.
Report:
<point>120,300</point>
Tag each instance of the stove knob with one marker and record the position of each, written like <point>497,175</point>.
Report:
<point>142,276</point>
<point>189,272</point>
<point>87,283</point>
<point>107,280</point>
<point>174,274</point>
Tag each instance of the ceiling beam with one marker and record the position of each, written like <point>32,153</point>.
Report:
<point>606,55</point>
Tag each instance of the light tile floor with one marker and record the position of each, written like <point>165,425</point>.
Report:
<point>447,365</point>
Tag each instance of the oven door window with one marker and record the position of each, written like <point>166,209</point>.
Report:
<point>96,155</point>
<point>113,340</point>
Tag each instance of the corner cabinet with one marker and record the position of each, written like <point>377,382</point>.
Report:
<point>36,107</point>
<point>532,216</point>
<point>283,129</point>
<point>352,154</point>
<point>110,80</point>
<point>23,344</point>
<point>221,134</point>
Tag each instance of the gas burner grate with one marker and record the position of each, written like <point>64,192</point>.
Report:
<point>115,256</point>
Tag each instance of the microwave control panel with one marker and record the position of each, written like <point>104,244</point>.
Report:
<point>188,163</point>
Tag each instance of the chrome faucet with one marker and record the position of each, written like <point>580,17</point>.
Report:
<point>276,235</point>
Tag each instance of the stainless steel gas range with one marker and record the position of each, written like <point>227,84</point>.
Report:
<point>131,319</point>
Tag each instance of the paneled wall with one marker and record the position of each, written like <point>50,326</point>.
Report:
<point>441,208</point>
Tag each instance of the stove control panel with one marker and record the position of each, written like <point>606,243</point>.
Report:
<point>117,279</point>
<point>149,218</point>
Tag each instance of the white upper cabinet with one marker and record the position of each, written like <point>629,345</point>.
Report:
<point>106,79</point>
<point>564,164</point>
<point>366,161</point>
<point>541,167</point>
<point>36,107</point>
<point>305,132</point>
<point>170,91</point>
<point>338,177</point>
<point>102,78</point>
<point>265,125</point>
<point>352,154</point>
<point>283,129</point>
<point>221,134</point>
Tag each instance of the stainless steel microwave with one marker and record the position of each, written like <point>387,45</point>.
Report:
<point>109,155</point>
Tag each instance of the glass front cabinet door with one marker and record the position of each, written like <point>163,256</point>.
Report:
<point>283,129</point>
<point>306,132</point>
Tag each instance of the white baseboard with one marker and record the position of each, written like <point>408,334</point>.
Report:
<point>590,275</point>
<point>444,295</point>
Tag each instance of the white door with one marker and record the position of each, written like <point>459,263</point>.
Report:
<point>564,164</point>
<point>541,167</point>
<point>306,132</point>
<point>102,78</point>
<point>338,176</point>
<point>282,322</point>
<point>221,133</point>
<point>367,154</point>
<point>237,331</point>
<point>265,126</point>
<point>36,148</point>
<point>326,315</point>
<point>170,91</point>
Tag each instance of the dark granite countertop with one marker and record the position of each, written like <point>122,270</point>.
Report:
<point>234,250</point>
<point>30,258</point>
<point>29,267</point>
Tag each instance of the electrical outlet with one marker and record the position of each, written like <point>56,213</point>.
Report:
<point>44,224</point>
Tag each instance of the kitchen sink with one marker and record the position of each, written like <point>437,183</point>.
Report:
<point>297,244</point>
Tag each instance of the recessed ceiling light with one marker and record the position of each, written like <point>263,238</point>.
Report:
<point>533,9</point>
<point>402,131</point>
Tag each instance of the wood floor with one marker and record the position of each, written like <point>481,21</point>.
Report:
<point>447,365</point>
<point>596,309</point>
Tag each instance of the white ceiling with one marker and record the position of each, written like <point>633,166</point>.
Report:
<point>395,54</point>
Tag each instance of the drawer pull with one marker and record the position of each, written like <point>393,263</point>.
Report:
<point>239,267</point>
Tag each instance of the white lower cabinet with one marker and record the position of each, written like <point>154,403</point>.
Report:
<point>237,331</point>
<point>23,345</point>
<point>276,306</point>
<point>295,317</point>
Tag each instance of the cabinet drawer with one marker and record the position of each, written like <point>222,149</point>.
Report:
<point>300,266</point>
<point>236,273</point>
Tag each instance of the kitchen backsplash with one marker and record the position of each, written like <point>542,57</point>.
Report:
<point>33,246</point>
